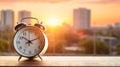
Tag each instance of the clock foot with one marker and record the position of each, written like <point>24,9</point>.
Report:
<point>19,58</point>
<point>40,57</point>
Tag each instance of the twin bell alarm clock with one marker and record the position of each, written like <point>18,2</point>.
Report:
<point>30,41</point>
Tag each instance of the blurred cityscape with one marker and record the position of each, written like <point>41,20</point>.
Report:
<point>78,39</point>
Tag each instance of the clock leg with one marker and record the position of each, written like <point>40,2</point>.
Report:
<point>40,57</point>
<point>19,58</point>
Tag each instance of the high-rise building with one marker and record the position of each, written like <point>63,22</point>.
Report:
<point>23,14</point>
<point>117,25</point>
<point>7,18</point>
<point>81,18</point>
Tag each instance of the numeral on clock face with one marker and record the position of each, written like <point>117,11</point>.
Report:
<point>30,52</point>
<point>24,50</point>
<point>20,47</point>
<point>17,42</point>
<point>36,50</point>
<point>20,38</point>
<point>24,33</point>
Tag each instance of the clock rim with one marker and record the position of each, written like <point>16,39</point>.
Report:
<point>42,51</point>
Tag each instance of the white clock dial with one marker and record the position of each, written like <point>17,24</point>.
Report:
<point>29,41</point>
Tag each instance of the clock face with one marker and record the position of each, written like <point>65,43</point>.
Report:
<point>29,41</point>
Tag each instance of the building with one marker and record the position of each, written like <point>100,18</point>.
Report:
<point>7,18</point>
<point>117,25</point>
<point>81,18</point>
<point>23,14</point>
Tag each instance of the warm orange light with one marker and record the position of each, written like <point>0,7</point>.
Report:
<point>54,21</point>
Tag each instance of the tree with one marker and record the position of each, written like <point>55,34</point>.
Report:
<point>3,45</point>
<point>71,38</point>
<point>87,44</point>
<point>101,47</point>
<point>118,49</point>
<point>6,35</point>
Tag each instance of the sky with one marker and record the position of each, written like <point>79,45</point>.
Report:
<point>103,12</point>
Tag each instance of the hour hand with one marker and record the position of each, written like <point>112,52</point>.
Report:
<point>25,38</point>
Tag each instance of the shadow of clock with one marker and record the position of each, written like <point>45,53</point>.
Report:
<point>30,62</point>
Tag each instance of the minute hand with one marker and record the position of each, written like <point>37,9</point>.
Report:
<point>34,39</point>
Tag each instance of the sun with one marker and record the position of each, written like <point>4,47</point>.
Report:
<point>54,21</point>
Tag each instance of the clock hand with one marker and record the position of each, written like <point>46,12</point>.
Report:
<point>34,39</point>
<point>29,42</point>
<point>25,38</point>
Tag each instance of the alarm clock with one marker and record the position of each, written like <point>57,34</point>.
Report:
<point>30,40</point>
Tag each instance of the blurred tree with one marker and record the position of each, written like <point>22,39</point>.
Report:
<point>71,38</point>
<point>116,34</point>
<point>87,44</point>
<point>101,47</point>
<point>6,36</point>
<point>3,45</point>
<point>118,49</point>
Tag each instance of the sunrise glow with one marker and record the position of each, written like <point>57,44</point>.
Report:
<point>54,21</point>
<point>102,12</point>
